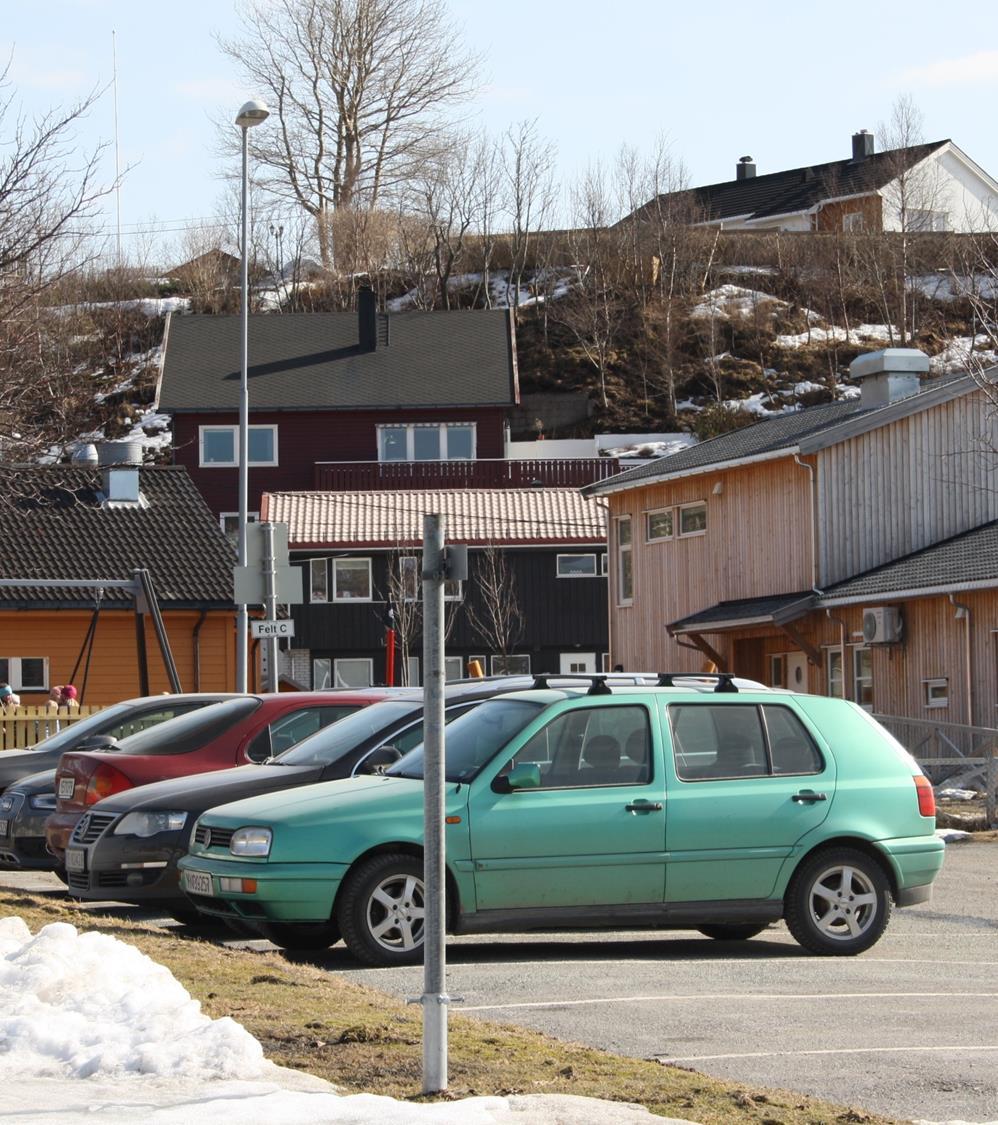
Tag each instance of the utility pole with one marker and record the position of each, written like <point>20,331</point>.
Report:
<point>270,602</point>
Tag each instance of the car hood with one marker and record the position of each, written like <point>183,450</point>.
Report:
<point>16,764</point>
<point>43,782</point>
<point>203,790</point>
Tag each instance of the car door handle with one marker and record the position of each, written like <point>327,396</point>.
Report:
<point>644,806</point>
<point>807,796</point>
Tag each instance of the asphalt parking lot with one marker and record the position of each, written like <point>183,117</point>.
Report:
<point>907,1029</point>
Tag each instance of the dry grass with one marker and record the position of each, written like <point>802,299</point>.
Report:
<point>363,1040</point>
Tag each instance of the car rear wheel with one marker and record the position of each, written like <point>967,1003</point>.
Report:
<point>838,902</point>
<point>382,910</point>
<point>730,931</point>
<point>305,937</point>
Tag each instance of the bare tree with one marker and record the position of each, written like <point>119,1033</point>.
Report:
<point>492,606</point>
<point>357,88</point>
<point>528,164</point>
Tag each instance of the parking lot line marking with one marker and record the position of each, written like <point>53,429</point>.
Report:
<point>825,1051</point>
<point>700,996</point>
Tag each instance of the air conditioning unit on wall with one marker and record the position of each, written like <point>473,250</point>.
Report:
<point>882,625</point>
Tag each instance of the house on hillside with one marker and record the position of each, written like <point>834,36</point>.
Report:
<point>545,549</point>
<point>81,524</point>
<point>926,187</point>
<point>845,549</point>
<point>350,401</point>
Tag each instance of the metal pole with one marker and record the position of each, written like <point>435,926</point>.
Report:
<point>242,615</point>
<point>434,998</point>
<point>269,602</point>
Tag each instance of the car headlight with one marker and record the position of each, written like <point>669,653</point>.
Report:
<point>44,802</point>
<point>251,841</point>
<point>150,823</point>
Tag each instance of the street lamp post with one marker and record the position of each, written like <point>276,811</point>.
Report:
<point>252,113</point>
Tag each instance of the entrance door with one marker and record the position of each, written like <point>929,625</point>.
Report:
<point>796,671</point>
<point>577,662</point>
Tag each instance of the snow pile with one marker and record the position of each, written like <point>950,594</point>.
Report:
<point>81,1005</point>
<point>963,353</point>
<point>861,334</point>
<point>734,300</point>
<point>645,450</point>
<point>952,835</point>
<point>956,794</point>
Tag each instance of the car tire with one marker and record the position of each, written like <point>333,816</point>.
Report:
<point>731,931</point>
<point>838,902</point>
<point>381,910</point>
<point>304,937</point>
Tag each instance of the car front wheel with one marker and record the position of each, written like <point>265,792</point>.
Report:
<point>382,910</point>
<point>838,902</point>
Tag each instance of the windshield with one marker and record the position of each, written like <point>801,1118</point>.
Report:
<point>189,732</point>
<point>333,742</point>
<point>93,724</point>
<point>473,738</point>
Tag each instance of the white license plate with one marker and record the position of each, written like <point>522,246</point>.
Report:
<point>67,787</point>
<point>197,882</point>
<point>4,827</point>
<point>76,859</point>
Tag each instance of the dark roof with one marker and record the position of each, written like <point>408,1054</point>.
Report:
<point>52,526</point>
<point>738,614</point>
<point>314,360</point>
<point>970,558</point>
<point>799,189</point>
<point>785,432</point>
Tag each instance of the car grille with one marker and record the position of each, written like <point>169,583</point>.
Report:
<point>208,837</point>
<point>78,880</point>
<point>91,827</point>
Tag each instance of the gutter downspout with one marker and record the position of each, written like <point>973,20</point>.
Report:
<point>964,612</point>
<point>840,621</point>
<point>197,649</point>
<point>814,521</point>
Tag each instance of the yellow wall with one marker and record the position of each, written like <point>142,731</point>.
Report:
<point>58,635</point>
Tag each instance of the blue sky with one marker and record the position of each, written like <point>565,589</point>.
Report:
<point>786,82</point>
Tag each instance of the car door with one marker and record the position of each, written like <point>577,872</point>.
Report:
<point>746,781</point>
<point>591,832</point>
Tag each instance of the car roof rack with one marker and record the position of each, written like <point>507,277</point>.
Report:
<point>725,680</point>
<point>597,683</point>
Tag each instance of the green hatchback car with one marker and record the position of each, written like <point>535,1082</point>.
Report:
<point>688,805</point>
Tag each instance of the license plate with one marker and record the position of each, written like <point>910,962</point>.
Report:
<point>197,882</point>
<point>76,859</point>
<point>67,787</point>
<point>3,827</point>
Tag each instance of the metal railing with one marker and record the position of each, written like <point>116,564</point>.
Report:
<point>344,476</point>
<point>22,727</point>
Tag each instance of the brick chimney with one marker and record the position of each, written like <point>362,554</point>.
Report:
<point>889,375</point>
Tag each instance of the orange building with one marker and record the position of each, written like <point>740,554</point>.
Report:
<point>96,530</point>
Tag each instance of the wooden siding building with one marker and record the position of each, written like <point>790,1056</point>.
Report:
<point>843,549</point>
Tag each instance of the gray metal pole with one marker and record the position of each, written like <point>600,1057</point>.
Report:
<point>242,614</point>
<point>270,602</point>
<point>434,998</point>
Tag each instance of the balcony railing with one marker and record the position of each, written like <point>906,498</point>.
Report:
<point>356,476</point>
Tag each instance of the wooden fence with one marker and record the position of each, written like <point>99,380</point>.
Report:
<point>24,726</point>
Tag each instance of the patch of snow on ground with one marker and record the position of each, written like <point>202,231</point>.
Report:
<point>963,353</point>
<point>952,835</point>
<point>732,300</point>
<point>861,334</point>
<point>92,1028</point>
<point>956,794</point>
<point>646,449</point>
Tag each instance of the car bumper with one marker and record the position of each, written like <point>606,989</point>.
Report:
<point>116,868</point>
<point>58,829</point>
<point>23,844</point>
<point>915,861</point>
<point>285,892</point>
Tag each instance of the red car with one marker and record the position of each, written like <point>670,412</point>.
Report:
<point>249,728</point>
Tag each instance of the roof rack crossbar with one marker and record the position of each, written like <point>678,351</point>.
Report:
<point>596,680</point>
<point>725,680</point>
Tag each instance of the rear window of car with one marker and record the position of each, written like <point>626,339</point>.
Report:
<point>189,732</point>
<point>331,743</point>
<point>713,742</point>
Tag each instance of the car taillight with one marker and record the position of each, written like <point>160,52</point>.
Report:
<point>926,797</point>
<point>105,781</point>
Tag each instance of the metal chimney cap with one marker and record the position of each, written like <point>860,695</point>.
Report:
<point>899,361</point>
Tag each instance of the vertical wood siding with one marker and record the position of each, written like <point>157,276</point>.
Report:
<point>900,488</point>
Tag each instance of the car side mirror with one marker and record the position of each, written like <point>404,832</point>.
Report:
<point>525,776</point>
<point>378,759</point>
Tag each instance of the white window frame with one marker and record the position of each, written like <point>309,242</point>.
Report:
<point>410,439</point>
<point>679,522</point>
<point>15,678</point>
<point>234,463</point>
<point>251,517</point>
<point>449,662</point>
<point>337,562</point>
<point>835,685</point>
<point>323,565</point>
<point>624,549</point>
<point>338,664</point>
<point>858,680</point>
<point>576,574</point>
<point>322,673</point>
<point>853,221</point>
<point>605,564</point>
<point>930,688</point>
<point>497,670</point>
<point>483,661</point>
<point>412,671</point>
<point>670,512</point>
<point>777,669</point>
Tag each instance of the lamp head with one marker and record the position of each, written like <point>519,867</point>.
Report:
<point>254,112</point>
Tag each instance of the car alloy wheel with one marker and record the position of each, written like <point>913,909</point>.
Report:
<point>838,902</point>
<point>382,910</point>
